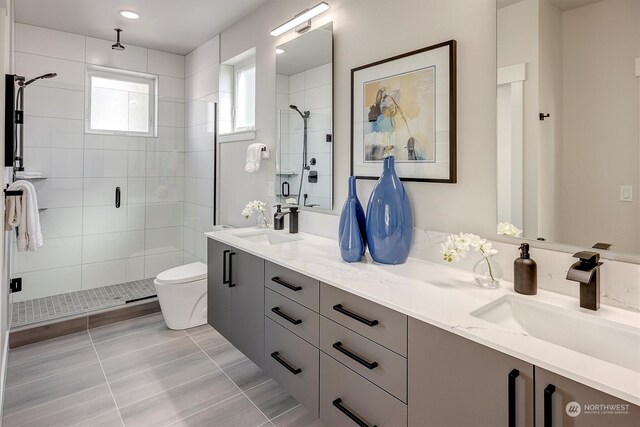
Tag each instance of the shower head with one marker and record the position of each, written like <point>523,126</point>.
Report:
<point>304,116</point>
<point>117,45</point>
<point>44,76</point>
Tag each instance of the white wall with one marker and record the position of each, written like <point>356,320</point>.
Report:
<point>600,124</point>
<point>202,68</point>
<point>358,41</point>
<point>88,242</point>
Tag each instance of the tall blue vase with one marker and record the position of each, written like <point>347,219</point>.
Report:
<point>389,218</point>
<point>350,239</point>
<point>352,224</point>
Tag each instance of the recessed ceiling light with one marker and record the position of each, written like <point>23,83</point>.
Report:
<point>279,51</point>
<point>129,14</point>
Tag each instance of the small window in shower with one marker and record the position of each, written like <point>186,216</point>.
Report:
<point>121,103</point>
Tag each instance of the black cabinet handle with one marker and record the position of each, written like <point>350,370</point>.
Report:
<point>279,281</point>
<point>338,404</point>
<point>548,405</point>
<point>285,316</point>
<point>231,255</point>
<point>294,371</point>
<point>338,346</point>
<point>512,397</point>
<point>117,197</point>
<point>225,281</point>
<point>340,309</point>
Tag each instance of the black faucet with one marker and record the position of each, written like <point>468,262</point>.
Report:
<point>587,273</point>
<point>293,219</point>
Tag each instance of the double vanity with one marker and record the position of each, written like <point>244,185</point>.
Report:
<point>417,344</point>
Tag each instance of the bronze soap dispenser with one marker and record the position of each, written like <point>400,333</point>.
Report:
<point>525,273</point>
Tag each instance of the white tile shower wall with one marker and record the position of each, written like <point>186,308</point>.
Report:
<point>201,89</point>
<point>311,91</point>
<point>88,242</point>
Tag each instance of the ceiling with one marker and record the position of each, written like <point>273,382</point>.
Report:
<point>563,5</point>
<point>176,26</point>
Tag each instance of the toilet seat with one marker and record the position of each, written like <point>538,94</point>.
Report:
<point>183,274</point>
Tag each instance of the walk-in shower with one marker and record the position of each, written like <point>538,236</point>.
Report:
<point>305,165</point>
<point>18,149</point>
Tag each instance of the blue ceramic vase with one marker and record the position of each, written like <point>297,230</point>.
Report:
<point>389,218</point>
<point>352,230</point>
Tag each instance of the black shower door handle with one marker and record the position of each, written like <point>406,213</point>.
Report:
<point>285,193</point>
<point>117,197</point>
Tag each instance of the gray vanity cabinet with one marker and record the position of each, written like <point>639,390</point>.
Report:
<point>236,298</point>
<point>218,290</point>
<point>453,381</point>
<point>563,402</point>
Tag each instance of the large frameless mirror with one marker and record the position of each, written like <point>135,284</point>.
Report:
<point>304,151</point>
<point>568,122</point>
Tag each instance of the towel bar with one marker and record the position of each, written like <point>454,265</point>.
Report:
<point>10,193</point>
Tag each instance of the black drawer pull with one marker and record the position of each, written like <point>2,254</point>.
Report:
<point>548,405</point>
<point>279,281</point>
<point>338,346</point>
<point>231,284</point>
<point>294,371</point>
<point>225,281</point>
<point>117,197</point>
<point>285,316</point>
<point>512,396</point>
<point>340,309</point>
<point>338,404</point>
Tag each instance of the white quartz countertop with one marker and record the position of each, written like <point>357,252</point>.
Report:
<point>444,297</point>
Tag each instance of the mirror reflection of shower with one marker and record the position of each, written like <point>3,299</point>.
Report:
<point>18,151</point>
<point>305,165</point>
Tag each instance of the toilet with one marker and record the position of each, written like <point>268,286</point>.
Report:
<point>182,293</point>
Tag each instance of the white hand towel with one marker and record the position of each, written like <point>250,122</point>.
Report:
<point>255,153</point>
<point>27,218</point>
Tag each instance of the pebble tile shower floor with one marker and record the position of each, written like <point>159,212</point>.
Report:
<point>139,373</point>
<point>79,302</point>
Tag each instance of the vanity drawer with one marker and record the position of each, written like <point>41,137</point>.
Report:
<point>380,324</point>
<point>374,362</point>
<point>341,388</point>
<point>298,287</point>
<point>293,316</point>
<point>293,363</point>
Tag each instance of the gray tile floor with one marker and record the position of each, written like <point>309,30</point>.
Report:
<point>139,373</point>
<point>71,303</point>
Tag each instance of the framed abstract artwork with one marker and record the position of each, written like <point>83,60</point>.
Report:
<point>406,106</point>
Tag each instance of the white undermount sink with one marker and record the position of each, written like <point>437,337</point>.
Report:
<point>601,338</point>
<point>267,237</point>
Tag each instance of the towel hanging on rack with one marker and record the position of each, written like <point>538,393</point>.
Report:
<point>21,211</point>
<point>255,153</point>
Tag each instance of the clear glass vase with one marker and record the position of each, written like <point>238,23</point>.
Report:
<point>261,220</point>
<point>487,272</point>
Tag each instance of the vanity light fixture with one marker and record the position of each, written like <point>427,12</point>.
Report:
<point>300,18</point>
<point>129,14</point>
<point>279,51</point>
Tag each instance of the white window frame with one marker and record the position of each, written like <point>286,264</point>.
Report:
<point>129,76</point>
<point>237,69</point>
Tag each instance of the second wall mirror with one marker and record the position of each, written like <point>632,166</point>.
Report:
<point>304,104</point>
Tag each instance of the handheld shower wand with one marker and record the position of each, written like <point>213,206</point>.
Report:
<point>305,165</point>
<point>18,159</point>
